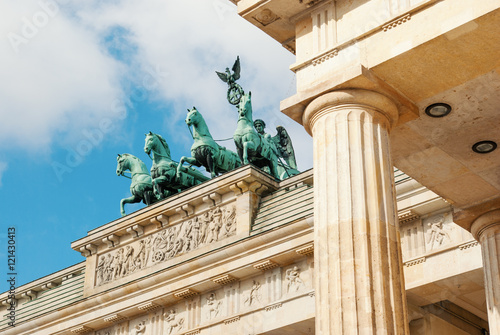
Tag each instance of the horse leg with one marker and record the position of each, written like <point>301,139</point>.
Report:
<point>247,146</point>
<point>130,200</point>
<point>148,197</point>
<point>157,187</point>
<point>245,152</point>
<point>211,164</point>
<point>179,166</point>
<point>189,160</point>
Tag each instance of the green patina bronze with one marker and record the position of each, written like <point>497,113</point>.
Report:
<point>253,147</point>
<point>205,151</point>
<point>141,186</point>
<point>287,165</point>
<point>234,91</point>
<point>274,155</point>
<point>168,177</point>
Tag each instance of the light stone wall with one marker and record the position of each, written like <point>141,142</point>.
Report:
<point>272,299</point>
<point>260,284</point>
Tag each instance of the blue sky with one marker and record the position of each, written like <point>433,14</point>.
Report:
<point>81,81</point>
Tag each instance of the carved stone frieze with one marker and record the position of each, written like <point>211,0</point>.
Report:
<point>266,16</point>
<point>231,320</point>
<point>174,324</point>
<point>223,280</point>
<point>255,295</point>
<point>397,22</point>
<point>148,306</point>
<point>265,265</point>
<point>437,234</point>
<point>325,57</point>
<point>306,251</point>
<point>81,330</point>
<point>294,283</point>
<point>140,328</point>
<point>212,226</point>
<point>114,318</point>
<point>468,245</point>
<point>407,216</point>
<point>415,261</point>
<point>213,305</point>
<point>185,294</point>
<point>273,306</point>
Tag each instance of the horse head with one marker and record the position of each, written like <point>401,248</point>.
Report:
<point>148,145</point>
<point>157,144</point>
<point>122,164</point>
<point>245,106</point>
<point>192,116</point>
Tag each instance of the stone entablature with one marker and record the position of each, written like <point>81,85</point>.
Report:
<point>242,306</point>
<point>200,230</point>
<point>220,191</point>
<point>426,223</point>
<point>180,228</point>
<point>432,235</point>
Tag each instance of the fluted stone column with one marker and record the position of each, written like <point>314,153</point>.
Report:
<point>486,229</point>
<point>358,268</point>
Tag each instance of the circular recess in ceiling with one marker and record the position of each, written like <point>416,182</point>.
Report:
<point>484,147</point>
<point>439,109</point>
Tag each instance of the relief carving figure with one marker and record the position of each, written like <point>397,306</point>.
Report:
<point>254,295</point>
<point>108,268</point>
<point>214,226</point>
<point>140,257</point>
<point>204,220</point>
<point>160,245</point>
<point>437,234</point>
<point>118,263</point>
<point>140,328</point>
<point>229,224</point>
<point>195,233</point>
<point>213,306</point>
<point>294,281</point>
<point>172,322</point>
<point>186,237</point>
<point>100,270</point>
<point>148,246</point>
<point>211,226</point>
<point>128,266</point>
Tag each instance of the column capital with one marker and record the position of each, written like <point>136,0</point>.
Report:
<point>378,105</point>
<point>488,221</point>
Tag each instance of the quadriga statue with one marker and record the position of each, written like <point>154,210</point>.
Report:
<point>168,177</point>
<point>141,185</point>
<point>205,151</point>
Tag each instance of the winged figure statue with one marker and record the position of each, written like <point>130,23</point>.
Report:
<point>282,144</point>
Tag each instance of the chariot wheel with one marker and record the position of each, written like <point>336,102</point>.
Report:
<point>158,256</point>
<point>234,94</point>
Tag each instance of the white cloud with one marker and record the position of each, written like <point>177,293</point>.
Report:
<point>64,79</point>
<point>58,80</point>
<point>190,40</point>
